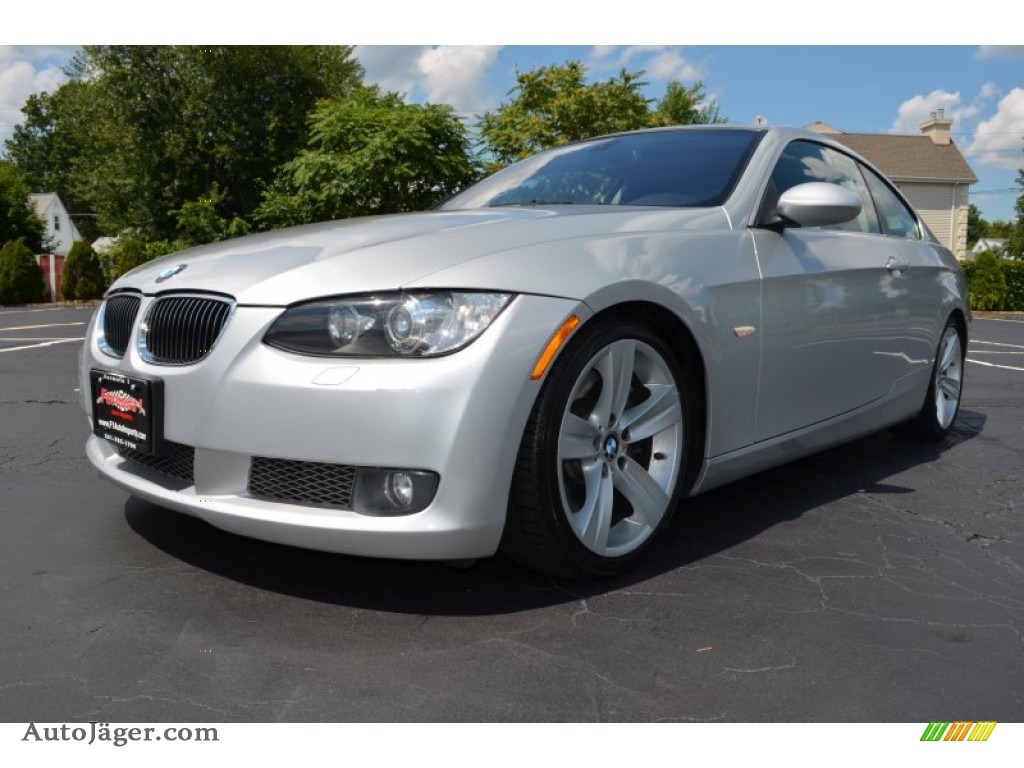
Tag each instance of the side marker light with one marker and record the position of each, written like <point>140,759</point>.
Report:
<point>556,342</point>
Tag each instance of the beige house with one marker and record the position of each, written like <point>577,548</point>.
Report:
<point>928,169</point>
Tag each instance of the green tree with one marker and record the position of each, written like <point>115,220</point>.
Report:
<point>139,131</point>
<point>54,133</point>
<point>999,229</point>
<point>988,285</point>
<point>21,277</point>
<point>82,277</point>
<point>1015,241</point>
<point>554,105</point>
<point>18,218</point>
<point>371,153</point>
<point>199,221</point>
<point>686,106</point>
<point>977,227</point>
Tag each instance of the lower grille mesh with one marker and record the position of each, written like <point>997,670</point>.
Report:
<point>303,482</point>
<point>179,463</point>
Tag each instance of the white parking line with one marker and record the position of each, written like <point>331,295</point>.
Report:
<point>990,365</point>
<point>56,338</point>
<point>996,344</point>
<point>44,344</point>
<point>33,327</point>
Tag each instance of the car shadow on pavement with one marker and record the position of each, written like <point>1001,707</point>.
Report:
<point>703,526</point>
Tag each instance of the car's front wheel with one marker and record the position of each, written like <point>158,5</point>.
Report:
<point>601,463</point>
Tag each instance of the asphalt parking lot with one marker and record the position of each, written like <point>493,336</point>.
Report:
<point>879,581</point>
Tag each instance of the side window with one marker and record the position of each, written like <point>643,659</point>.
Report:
<point>897,219</point>
<point>804,161</point>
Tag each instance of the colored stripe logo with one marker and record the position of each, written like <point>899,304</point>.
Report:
<point>959,731</point>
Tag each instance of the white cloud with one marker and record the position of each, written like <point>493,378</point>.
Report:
<point>454,74</point>
<point>999,141</point>
<point>918,109</point>
<point>1000,52</point>
<point>450,74</point>
<point>988,92</point>
<point>18,80</point>
<point>392,67</point>
<point>659,62</point>
<point>670,65</point>
<point>48,54</point>
<point>603,51</point>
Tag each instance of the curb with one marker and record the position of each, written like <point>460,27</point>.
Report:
<point>998,315</point>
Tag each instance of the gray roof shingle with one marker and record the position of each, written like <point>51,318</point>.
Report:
<point>910,158</point>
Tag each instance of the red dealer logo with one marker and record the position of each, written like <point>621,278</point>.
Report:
<point>122,401</point>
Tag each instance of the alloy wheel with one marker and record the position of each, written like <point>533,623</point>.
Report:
<point>620,447</point>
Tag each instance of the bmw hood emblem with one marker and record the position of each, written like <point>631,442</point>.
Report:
<point>170,272</point>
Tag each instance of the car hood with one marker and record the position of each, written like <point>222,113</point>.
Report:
<point>387,252</point>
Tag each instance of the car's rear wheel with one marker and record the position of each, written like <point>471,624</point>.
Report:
<point>942,403</point>
<point>601,463</point>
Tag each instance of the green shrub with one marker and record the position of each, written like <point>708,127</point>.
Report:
<point>82,277</point>
<point>987,286</point>
<point>134,251</point>
<point>129,253</point>
<point>969,271</point>
<point>21,277</point>
<point>1013,272</point>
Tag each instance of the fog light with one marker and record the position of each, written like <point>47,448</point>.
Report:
<point>392,491</point>
<point>398,488</point>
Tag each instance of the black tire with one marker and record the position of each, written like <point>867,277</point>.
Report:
<point>593,489</point>
<point>942,403</point>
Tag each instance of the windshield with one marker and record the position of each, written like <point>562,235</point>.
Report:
<point>692,167</point>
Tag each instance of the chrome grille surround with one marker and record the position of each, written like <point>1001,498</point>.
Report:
<point>179,463</point>
<point>302,482</point>
<point>181,329</point>
<point>114,325</point>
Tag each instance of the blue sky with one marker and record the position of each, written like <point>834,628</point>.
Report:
<point>854,88</point>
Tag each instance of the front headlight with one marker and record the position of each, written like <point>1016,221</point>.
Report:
<point>415,324</point>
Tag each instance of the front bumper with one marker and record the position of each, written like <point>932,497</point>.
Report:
<point>461,416</point>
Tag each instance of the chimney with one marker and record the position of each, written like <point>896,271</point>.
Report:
<point>938,127</point>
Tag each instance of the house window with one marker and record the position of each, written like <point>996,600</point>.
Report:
<point>56,223</point>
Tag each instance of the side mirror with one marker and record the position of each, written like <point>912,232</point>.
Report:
<point>817,204</point>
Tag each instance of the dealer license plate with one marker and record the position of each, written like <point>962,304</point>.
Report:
<point>127,411</point>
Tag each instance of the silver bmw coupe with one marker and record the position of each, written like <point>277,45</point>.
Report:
<point>548,363</point>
